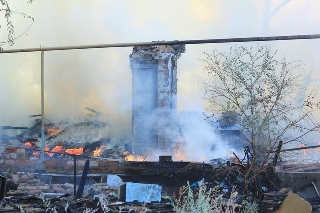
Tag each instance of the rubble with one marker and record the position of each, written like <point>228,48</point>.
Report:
<point>31,183</point>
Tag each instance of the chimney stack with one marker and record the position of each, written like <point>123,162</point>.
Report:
<point>154,93</point>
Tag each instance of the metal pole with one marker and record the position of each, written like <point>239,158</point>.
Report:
<point>294,149</point>
<point>74,176</point>
<point>201,41</point>
<point>42,104</point>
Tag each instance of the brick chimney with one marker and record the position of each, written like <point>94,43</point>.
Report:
<point>154,93</point>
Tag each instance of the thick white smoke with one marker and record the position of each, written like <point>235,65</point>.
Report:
<point>101,79</point>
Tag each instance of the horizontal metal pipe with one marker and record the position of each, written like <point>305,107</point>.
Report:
<point>294,149</point>
<point>201,41</point>
<point>12,127</point>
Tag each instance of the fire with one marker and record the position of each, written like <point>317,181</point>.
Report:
<point>48,153</point>
<point>178,155</point>
<point>75,151</point>
<point>98,151</point>
<point>36,153</point>
<point>29,144</point>
<point>57,149</point>
<point>133,157</point>
<point>52,131</point>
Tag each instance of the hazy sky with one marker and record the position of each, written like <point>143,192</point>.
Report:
<point>101,78</point>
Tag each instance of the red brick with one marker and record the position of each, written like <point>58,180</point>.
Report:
<point>94,163</point>
<point>60,190</point>
<point>43,187</point>
<point>21,150</point>
<point>5,155</point>
<point>15,177</point>
<point>10,150</point>
<point>31,162</point>
<point>112,163</point>
<point>68,186</point>
<point>102,163</point>
<point>9,162</point>
<point>21,187</point>
<point>50,162</point>
<point>20,162</point>
<point>51,170</point>
<point>95,171</point>
<point>35,191</point>
<point>26,177</point>
<point>28,187</point>
<point>24,156</point>
<point>34,182</point>
<point>117,171</point>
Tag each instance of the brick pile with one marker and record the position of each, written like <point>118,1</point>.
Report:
<point>63,166</point>
<point>18,160</point>
<point>31,184</point>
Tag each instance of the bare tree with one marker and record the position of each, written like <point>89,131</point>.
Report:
<point>11,37</point>
<point>260,87</point>
<point>268,13</point>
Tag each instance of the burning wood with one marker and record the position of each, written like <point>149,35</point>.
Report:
<point>97,152</point>
<point>132,157</point>
<point>52,131</point>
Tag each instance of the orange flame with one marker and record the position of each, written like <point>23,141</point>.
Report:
<point>75,151</point>
<point>29,144</point>
<point>98,151</point>
<point>36,153</point>
<point>132,157</point>
<point>52,131</point>
<point>178,154</point>
<point>57,149</point>
<point>48,153</point>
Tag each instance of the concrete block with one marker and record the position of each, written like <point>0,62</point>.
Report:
<point>114,180</point>
<point>143,192</point>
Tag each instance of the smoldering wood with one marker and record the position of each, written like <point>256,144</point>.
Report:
<point>94,111</point>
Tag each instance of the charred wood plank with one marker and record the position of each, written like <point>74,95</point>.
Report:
<point>83,179</point>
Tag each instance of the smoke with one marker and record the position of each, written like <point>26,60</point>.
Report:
<point>200,142</point>
<point>101,79</point>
